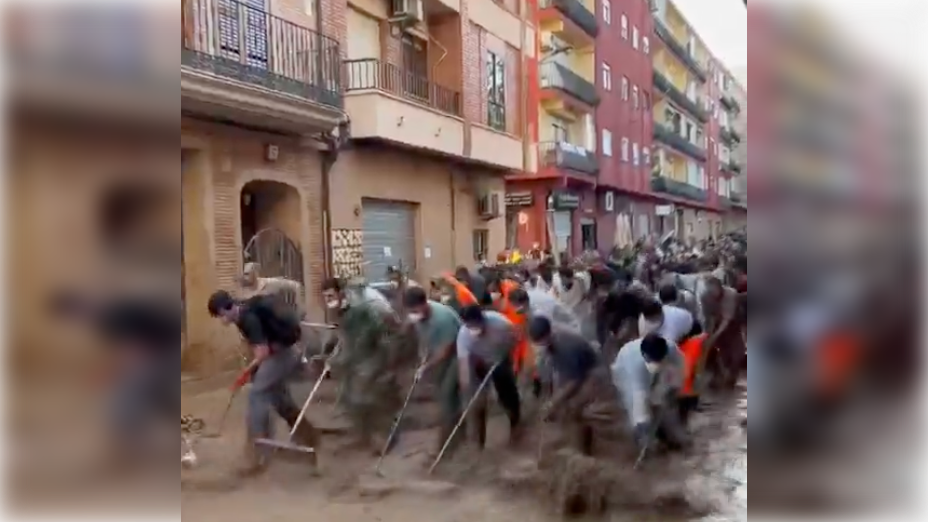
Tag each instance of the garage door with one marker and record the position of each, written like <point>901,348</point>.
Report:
<point>389,237</point>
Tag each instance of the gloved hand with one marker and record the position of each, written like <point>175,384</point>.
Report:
<point>242,380</point>
<point>643,433</point>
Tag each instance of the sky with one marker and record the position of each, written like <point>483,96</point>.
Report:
<point>722,25</point>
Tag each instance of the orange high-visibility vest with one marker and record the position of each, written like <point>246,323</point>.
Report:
<point>463,294</point>
<point>692,350</point>
<point>520,354</point>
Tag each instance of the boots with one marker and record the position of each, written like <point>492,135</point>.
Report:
<point>254,461</point>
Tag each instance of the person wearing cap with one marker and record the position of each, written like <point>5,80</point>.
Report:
<point>584,399</point>
<point>485,343</point>
<point>648,373</point>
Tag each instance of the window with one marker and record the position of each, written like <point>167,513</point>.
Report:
<point>635,37</point>
<point>625,88</point>
<point>701,180</point>
<point>559,129</point>
<point>310,6</point>
<point>415,66</point>
<point>481,245</point>
<point>624,27</point>
<point>636,155</point>
<point>646,155</point>
<point>635,100</point>
<point>588,235</point>
<point>716,112</point>
<point>607,77</point>
<point>625,150</point>
<point>607,12</point>
<point>496,92</point>
<point>607,143</point>
<point>646,100</point>
<point>646,45</point>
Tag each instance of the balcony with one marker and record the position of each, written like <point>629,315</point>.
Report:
<point>732,167</point>
<point>570,21</point>
<point>243,64</point>
<point>730,103</point>
<point>665,185</point>
<point>729,136</point>
<point>664,33</point>
<point>663,85</point>
<point>389,103</point>
<point>557,81</point>
<point>668,136</point>
<point>565,156</point>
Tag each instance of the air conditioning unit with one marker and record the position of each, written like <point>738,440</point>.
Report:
<point>407,10</point>
<point>488,207</point>
<point>609,203</point>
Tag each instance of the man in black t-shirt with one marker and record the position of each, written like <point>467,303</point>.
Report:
<point>270,331</point>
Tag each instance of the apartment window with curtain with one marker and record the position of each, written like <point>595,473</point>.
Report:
<point>624,27</point>
<point>481,245</point>
<point>625,88</point>
<point>635,100</point>
<point>646,155</point>
<point>496,91</point>
<point>607,77</point>
<point>636,155</point>
<point>607,143</point>
<point>607,12</point>
<point>636,36</point>
<point>625,144</point>
<point>646,45</point>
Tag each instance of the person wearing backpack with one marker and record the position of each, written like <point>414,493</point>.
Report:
<point>271,331</point>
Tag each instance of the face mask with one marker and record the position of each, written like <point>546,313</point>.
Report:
<point>445,299</point>
<point>496,296</point>
<point>653,368</point>
<point>334,305</point>
<point>416,317</point>
<point>476,332</point>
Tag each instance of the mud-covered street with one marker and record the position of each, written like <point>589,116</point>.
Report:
<point>469,486</point>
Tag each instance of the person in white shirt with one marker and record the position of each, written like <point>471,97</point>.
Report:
<point>678,323</point>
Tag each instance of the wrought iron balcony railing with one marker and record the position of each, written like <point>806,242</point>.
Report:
<point>664,85</point>
<point>246,44</point>
<point>729,136</point>
<point>564,155</point>
<point>577,13</point>
<point>556,76</point>
<point>372,74</point>
<point>730,103</point>
<point>672,187</point>
<point>664,33</point>
<point>668,136</point>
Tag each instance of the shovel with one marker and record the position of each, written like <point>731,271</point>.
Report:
<point>222,420</point>
<point>397,422</point>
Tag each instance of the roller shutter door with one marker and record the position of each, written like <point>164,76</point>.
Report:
<point>389,237</point>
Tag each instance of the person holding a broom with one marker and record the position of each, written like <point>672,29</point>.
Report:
<point>271,331</point>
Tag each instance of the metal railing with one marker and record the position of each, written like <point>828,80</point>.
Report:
<point>556,76</point>
<point>577,13</point>
<point>663,32</point>
<point>564,155</point>
<point>729,136</point>
<point>675,188</point>
<point>729,102</point>
<point>668,136</point>
<point>374,74</point>
<point>240,42</point>
<point>664,85</point>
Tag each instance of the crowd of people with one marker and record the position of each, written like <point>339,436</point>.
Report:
<point>603,346</point>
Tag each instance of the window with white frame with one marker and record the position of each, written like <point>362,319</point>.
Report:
<point>713,147</point>
<point>625,144</point>
<point>636,155</point>
<point>692,173</point>
<point>635,99</point>
<point>636,36</point>
<point>646,45</point>
<point>607,77</point>
<point>646,155</point>
<point>607,143</point>
<point>703,180</point>
<point>607,12</point>
<point>624,27</point>
<point>625,88</point>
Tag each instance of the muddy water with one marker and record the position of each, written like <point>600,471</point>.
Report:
<point>349,492</point>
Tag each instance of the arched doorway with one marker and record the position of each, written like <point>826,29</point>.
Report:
<point>271,227</point>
